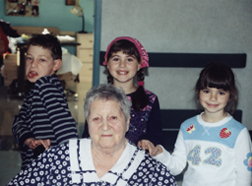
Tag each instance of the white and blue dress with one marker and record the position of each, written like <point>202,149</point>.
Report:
<point>71,164</point>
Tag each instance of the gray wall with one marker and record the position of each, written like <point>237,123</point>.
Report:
<point>187,26</point>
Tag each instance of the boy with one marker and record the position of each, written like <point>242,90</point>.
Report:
<point>44,119</point>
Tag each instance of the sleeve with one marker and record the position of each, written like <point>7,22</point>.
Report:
<point>163,177</point>
<point>62,122</point>
<point>154,125</point>
<point>243,159</point>
<point>37,172</point>
<point>176,161</point>
<point>20,129</point>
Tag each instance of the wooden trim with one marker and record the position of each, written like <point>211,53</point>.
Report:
<point>29,30</point>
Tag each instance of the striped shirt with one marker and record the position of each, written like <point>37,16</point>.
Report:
<point>44,115</point>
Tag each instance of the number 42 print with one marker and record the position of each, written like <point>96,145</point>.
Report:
<point>213,158</point>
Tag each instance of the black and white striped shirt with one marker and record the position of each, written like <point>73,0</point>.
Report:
<point>44,115</point>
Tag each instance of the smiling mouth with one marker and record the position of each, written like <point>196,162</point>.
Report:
<point>122,72</point>
<point>32,74</point>
<point>212,105</point>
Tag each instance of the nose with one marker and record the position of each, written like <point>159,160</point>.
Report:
<point>213,96</point>
<point>122,63</point>
<point>33,63</point>
<point>105,125</point>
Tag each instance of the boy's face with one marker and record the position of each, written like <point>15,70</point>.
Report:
<point>39,63</point>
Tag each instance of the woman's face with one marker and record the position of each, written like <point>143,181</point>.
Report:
<point>107,125</point>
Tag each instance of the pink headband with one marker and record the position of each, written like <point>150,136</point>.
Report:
<point>143,54</point>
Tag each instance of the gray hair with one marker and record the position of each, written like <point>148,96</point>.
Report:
<point>107,92</point>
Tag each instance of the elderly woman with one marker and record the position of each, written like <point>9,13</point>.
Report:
<point>107,158</point>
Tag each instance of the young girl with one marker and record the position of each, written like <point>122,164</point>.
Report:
<point>216,147</point>
<point>125,58</point>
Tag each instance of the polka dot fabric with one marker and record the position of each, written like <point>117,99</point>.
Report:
<point>55,167</point>
<point>152,173</point>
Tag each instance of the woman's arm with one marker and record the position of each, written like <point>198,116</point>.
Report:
<point>39,171</point>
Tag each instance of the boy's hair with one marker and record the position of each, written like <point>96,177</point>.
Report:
<point>139,99</point>
<point>47,41</point>
<point>220,76</point>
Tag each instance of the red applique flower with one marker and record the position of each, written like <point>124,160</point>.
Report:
<point>225,133</point>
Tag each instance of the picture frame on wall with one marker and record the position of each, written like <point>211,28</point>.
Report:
<point>25,8</point>
<point>70,2</point>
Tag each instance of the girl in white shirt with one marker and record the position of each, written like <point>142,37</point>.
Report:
<point>216,147</point>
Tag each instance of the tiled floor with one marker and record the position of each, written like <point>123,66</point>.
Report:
<point>10,161</point>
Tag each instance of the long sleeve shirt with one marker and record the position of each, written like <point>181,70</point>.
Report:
<point>216,153</point>
<point>44,115</point>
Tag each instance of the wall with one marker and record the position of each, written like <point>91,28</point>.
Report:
<point>54,14</point>
<point>184,26</point>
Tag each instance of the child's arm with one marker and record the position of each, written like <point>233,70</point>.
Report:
<point>62,122</point>
<point>243,159</point>
<point>20,129</point>
<point>148,146</point>
<point>176,161</point>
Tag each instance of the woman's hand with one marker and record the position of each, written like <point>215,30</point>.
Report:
<point>147,145</point>
<point>32,143</point>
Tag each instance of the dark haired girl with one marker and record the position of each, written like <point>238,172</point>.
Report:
<point>125,59</point>
<point>216,147</point>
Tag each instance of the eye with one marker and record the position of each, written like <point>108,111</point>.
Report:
<point>116,59</point>
<point>96,119</point>
<point>113,118</point>
<point>222,93</point>
<point>42,60</point>
<point>28,58</point>
<point>129,59</point>
<point>206,91</point>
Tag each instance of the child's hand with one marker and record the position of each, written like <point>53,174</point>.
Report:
<point>46,143</point>
<point>159,150</point>
<point>147,145</point>
<point>32,143</point>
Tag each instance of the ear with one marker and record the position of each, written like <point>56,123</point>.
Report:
<point>140,64</point>
<point>57,64</point>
